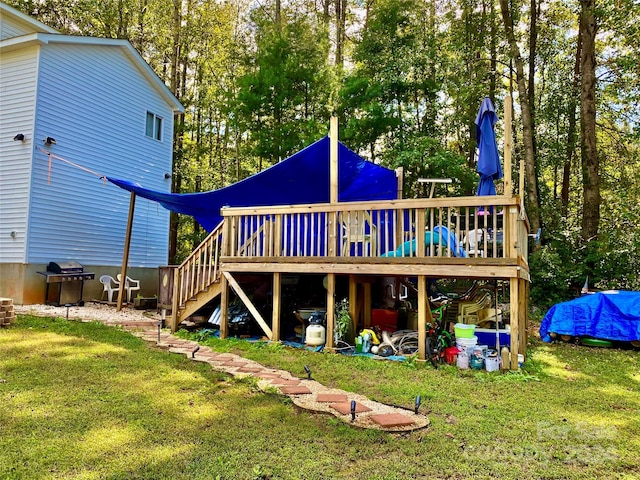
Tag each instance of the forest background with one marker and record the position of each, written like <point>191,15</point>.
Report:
<point>260,80</point>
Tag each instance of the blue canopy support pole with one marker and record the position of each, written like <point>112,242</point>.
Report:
<point>125,253</point>
<point>508,145</point>
<point>333,187</point>
<point>333,159</point>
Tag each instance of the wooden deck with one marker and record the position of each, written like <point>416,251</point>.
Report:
<point>423,238</point>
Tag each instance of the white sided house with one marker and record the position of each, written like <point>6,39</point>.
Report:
<point>107,111</point>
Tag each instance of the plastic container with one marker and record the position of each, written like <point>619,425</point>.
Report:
<point>476,362</point>
<point>463,330</point>
<point>481,350</point>
<point>451,354</point>
<point>466,344</point>
<point>487,336</point>
<point>492,362</point>
<point>316,335</point>
<point>463,361</point>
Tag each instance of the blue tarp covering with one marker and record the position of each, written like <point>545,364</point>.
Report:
<point>612,315</point>
<point>301,178</point>
<point>440,235</point>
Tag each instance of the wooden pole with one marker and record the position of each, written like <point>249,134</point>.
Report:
<point>276,295</point>
<point>331,309</point>
<point>125,253</point>
<point>514,319</point>
<point>508,145</point>
<point>224,307</point>
<point>333,159</point>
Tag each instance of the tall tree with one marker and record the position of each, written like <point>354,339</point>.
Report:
<point>589,152</point>
<point>531,183</point>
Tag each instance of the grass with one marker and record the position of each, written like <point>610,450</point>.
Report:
<point>85,401</point>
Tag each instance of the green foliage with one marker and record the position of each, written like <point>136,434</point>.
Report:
<point>414,75</point>
<point>283,97</point>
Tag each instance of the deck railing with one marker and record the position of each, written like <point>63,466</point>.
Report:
<point>200,269</point>
<point>480,227</point>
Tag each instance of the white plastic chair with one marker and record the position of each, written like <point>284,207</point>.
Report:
<point>474,237</point>
<point>109,286</point>
<point>354,228</point>
<point>130,286</point>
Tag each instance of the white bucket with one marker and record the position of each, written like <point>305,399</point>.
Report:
<point>466,344</point>
<point>315,335</point>
<point>492,362</point>
<point>463,361</point>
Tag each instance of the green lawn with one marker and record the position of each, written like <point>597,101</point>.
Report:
<point>81,400</point>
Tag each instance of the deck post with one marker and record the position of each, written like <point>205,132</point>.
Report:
<point>523,322</point>
<point>508,141</point>
<point>514,317</point>
<point>353,302</point>
<point>424,316</point>
<point>275,318</point>
<point>333,160</point>
<point>331,309</point>
<point>367,305</point>
<point>177,288</point>
<point>224,307</point>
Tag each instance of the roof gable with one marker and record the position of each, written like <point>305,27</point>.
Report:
<point>14,23</point>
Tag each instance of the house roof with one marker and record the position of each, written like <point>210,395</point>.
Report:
<point>20,18</point>
<point>44,35</point>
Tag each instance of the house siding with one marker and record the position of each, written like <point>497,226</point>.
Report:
<point>18,83</point>
<point>93,101</point>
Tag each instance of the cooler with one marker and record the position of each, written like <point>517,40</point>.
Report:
<point>487,336</point>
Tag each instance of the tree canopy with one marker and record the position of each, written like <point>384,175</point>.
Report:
<point>260,80</point>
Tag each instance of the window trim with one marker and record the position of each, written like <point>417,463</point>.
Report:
<point>154,122</point>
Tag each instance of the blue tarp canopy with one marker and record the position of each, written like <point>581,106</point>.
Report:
<point>299,179</point>
<point>611,315</point>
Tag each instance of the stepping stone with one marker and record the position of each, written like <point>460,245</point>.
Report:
<point>345,408</point>
<point>267,375</point>
<point>391,420</point>
<point>223,358</point>
<point>234,363</point>
<point>331,398</point>
<point>249,369</point>
<point>200,353</point>
<point>295,390</point>
<point>285,381</point>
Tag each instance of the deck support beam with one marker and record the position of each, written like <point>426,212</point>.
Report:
<point>514,317</point>
<point>249,304</point>
<point>224,307</point>
<point>331,310</point>
<point>276,298</point>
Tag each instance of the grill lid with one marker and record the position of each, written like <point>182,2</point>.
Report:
<point>65,267</point>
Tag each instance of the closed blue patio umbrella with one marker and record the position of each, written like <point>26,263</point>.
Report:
<point>488,157</point>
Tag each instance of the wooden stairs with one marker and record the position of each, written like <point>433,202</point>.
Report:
<point>196,281</point>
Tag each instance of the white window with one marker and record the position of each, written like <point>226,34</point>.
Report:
<point>154,126</point>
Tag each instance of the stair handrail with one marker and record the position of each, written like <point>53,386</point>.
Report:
<point>200,269</point>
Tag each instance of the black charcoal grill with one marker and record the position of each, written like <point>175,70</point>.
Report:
<point>70,277</point>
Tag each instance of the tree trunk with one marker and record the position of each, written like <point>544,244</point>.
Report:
<point>589,153</point>
<point>531,184</point>
<point>571,133</point>
<point>533,41</point>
